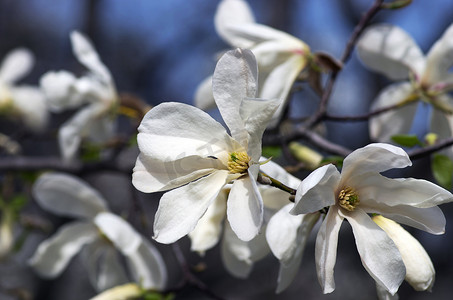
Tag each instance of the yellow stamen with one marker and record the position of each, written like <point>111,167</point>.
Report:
<point>238,162</point>
<point>348,198</point>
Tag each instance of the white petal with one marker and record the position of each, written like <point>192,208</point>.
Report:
<point>87,55</point>
<point>180,209</point>
<point>405,191</point>
<point>440,122</point>
<point>439,58</point>
<point>67,195</point>
<point>123,292</point>
<point>54,254</point>
<point>383,294</point>
<point>233,12</point>
<point>245,208</point>
<point>207,232</point>
<point>152,175</point>
<point>419,268</point>
<point>326,249</point>
<point>16,64</point>
<point>390,50</point>
<point>275,171</point>
<point>204,99</point>
<point>31,103</point>
<point>235,78</point>
<point>395,121</point>
<point>317,190</point>
<point>373,158</point>
<point>378,253</point>
<point>171,131</point>
<point>256,114</point>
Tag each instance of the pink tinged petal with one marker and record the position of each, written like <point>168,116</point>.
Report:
<point>396,121</point>
<point>16,64</point>
<point>204,98</point>
<point>378,253</point>
<point>256,114</point>
<point>67,195</point>
<point>145,261</point>
<point>279,82</point>
<point>373,158</point>
<point>180,209</point>
<point>402,191</point>
<point>235,78</point>
<point>419,269</point>
<point>439,58</point>
<point>54,254</point>
<point>87,55</point>
<point>317,190</point>
<point>31,103</point>
<point>153,175</point>
<point>245,208</point>
<point>391,51</point>
<point>233,12</point>
<point>171,131</point>
<point>238,256</point>
<point>277,172</point>
<point>326,249</point>
<point>207,232</point>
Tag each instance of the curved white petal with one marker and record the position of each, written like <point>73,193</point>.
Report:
<point>317,190</point>
<point>87,55</point>
<point>275,171</point>
<point>326,249</point>
<point>235,78</point>
<point>395,121</point>
<point>233,12</point>
<point>152,175</point>
<point>245,208</point>
<point>256,114</point>
<point>67,195</point>
<point>440,122</point>
<point>16,64</point>
<point>402,191</point>
<point>390,50</point>
<point>54,254</point>
<point>207,232</point>
<point>204,99</point>
<point>180,209</point>
<point>122,292</point>
<point>383,294</point>
<point>171,131</point>
<point>419,268</point>
<point>378,253</point>
<point>31,103</point>
<point>373,158</point>
<point>439,59</point>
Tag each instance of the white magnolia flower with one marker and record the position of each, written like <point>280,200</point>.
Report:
<point>102,234</point>
<point>420,272</point>
<point>184,149</point>
<point>391,51</point>
<point>95,92</point>
<point>360,190</point>
<point>24,102</point>
<point>280,56</point>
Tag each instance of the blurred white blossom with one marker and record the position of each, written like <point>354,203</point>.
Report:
<point>360,190</point>
<point>100,233</point>
<point>184,149</point>
<point>26,103</point>
<point>280,56</point>
<point>95,93</point>
<point>391,51</point>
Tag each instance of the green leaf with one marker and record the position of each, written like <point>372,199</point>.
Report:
<point>407,140</point>
<point>272,151</point>
<point>336,160</point>
<point>442,168</point>
<point>90,152</point>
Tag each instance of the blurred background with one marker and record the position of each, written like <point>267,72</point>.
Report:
<point>160,51</point>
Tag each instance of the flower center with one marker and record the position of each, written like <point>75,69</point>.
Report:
<point>238,162</point>
<point>348,198</point>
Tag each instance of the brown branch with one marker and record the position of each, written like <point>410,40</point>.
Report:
<point>418,153</point>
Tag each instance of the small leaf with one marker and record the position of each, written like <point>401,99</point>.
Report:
<point>396,4</point>
<point>91,152</point>
<point>336,160</point>
<point>272,151</point>
<point>407,140</point>
<point>442,168</point>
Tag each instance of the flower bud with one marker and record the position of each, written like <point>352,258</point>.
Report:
<point>121,292</point>
<point>306,155</point>
<point>420,272</point>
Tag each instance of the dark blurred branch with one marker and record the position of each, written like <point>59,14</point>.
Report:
<point>364,117</point>
<point>425,151</point>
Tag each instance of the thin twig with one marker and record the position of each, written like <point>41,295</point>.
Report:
<point>419,153</point>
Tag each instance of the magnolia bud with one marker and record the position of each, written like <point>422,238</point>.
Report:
<point>419,268</point>
<point>306,155</point>
<point>121,292</point>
